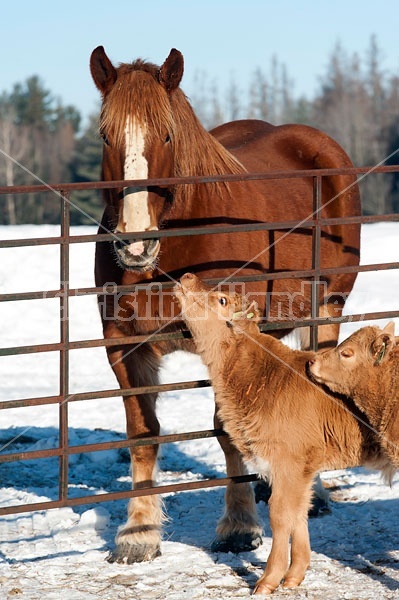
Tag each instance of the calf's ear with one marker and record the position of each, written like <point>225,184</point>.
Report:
<point>383,344</point>
<point>389,328</point>
<point>251,313</point>
<point>240,319</point>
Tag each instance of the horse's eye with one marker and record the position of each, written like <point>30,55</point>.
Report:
<point>223,301</point>
<point>167,139</point>
<point>104,138</point>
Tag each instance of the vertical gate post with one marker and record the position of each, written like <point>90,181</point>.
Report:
<point>64,352</point>
<point>316,247</point>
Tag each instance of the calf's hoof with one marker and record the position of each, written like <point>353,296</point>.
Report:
<point>292,582</point>
<point>263,588</point>
<point>236,543</point>
<point>132,553</point>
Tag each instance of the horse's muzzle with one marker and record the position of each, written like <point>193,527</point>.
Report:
<point>137,255</point>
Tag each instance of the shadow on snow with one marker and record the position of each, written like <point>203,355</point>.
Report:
<point>358,535</point>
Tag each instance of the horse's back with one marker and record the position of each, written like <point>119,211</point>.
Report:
<point>238,134</point>
<point>289,146</point>
<point>261,146</point>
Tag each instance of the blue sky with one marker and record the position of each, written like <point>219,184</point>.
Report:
<point>223,38</point>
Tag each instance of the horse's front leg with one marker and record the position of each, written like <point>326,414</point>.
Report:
<point>238,530</point>
<point>139,538</point>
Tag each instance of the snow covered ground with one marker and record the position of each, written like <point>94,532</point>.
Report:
<point>61,553</point>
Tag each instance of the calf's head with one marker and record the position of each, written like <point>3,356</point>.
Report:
<point>210,311</point>
<point>355,361</point>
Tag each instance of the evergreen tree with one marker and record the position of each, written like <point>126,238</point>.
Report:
<point>47,130</point>
<point>86,166</point>
<point>357,104</point>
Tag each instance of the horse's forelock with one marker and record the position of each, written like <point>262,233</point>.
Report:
<point>138,94</point>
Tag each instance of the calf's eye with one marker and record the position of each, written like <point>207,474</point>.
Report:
<point>223,301</point>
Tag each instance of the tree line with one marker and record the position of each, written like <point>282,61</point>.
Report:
<point>357,103</point>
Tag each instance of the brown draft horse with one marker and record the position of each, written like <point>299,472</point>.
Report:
<point>150,131</point>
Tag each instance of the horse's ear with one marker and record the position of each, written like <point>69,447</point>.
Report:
<point>102,70</point>
<point>171,72</point>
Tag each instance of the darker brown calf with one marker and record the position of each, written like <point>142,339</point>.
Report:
<point>365,367</point>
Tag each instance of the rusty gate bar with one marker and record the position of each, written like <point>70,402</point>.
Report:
<point>167,285</point>
<point>170,181</point>
<point>139,339</point>
<point>277,324</point>
<point>128,443</point>
<point>77,397</point>
<point>210,230</point>
<point>64,450</point>
<point>150,491</point>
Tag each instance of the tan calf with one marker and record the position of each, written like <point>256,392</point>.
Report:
<point>284,425</point>
<point>365,367</point>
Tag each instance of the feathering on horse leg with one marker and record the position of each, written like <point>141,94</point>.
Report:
<point>238,530</point>
<point>139,538</point>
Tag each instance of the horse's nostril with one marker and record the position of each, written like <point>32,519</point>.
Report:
<point>118,244</point>
<point>152,245</point>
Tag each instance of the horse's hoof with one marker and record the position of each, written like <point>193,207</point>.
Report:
<point>128,553</point>
<point>237,542</point>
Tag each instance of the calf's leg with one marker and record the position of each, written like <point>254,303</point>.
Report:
<point>288,508</point>
<point>300,544</point>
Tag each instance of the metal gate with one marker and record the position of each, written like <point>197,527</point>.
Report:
<point>64,292</point>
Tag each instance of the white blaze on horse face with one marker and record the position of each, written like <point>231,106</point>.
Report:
<point>135,215</point>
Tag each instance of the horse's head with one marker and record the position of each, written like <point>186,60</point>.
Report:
<point>137,129</point>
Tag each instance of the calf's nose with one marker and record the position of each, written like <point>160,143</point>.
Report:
<point>188,280</point>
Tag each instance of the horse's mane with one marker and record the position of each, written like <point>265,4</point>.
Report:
<point>138,93</point>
